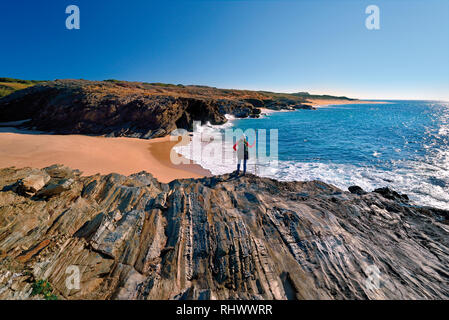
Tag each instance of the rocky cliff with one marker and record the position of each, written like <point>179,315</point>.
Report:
<point>215,238</point>
<point>118,108</point>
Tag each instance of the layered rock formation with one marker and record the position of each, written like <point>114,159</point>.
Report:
<point>130,109</point>
<point>216,238</point>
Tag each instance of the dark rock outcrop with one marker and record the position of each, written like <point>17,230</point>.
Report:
<point>99,108</point>
<point>304,107</point>
<point>391,194</point>
<point>240,109</point>
<point>219,237</point>
<point>356,190</point>
<point>126,109</point>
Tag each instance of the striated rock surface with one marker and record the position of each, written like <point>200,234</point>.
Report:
<point>217,238</point>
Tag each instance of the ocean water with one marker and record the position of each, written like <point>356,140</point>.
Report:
<point>402,144</point>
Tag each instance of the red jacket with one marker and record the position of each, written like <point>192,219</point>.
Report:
<point>235,145</point>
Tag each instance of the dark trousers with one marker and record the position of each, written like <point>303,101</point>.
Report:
<point>244,165</point>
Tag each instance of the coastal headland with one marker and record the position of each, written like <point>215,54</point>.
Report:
<point>122,127</point>
<point>87,191</point>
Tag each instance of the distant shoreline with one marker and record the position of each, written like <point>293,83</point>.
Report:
<point>329,102</point>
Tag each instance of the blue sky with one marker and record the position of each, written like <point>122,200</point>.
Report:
<point>289,46</point>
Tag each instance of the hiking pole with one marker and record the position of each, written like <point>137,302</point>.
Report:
<point>255,166</point>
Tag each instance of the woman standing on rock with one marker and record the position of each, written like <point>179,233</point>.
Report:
<point>242,153</point>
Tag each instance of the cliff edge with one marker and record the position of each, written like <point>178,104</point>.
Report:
<point>132,109</point>
<point>215,238</point>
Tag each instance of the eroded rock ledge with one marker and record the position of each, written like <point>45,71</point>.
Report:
<point>132,109</point>
<point>216,238</point>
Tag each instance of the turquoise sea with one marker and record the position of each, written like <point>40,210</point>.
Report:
<point>401,144</point>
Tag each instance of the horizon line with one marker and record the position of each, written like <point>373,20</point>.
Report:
<point>445,100</point>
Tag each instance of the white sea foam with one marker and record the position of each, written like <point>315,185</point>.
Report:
<point>413,178</point>
<point>209,161</point>
<point>416,179</point>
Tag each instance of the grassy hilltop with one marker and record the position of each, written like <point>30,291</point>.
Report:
<point>10,85</point>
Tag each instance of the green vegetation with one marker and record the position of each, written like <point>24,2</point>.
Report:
<point>43,287</point>
<point>319,96</point>
<point>282,96</point>
<point>160,84</point>
<point>113,80</point>
<point>4,91</point>
<point>9,85</point>
<point>157,84</point>
<point>303,96</point>
<point>12,80</point>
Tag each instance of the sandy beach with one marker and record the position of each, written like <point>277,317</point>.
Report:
<point>93,155</point>
<point>326,102</point>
